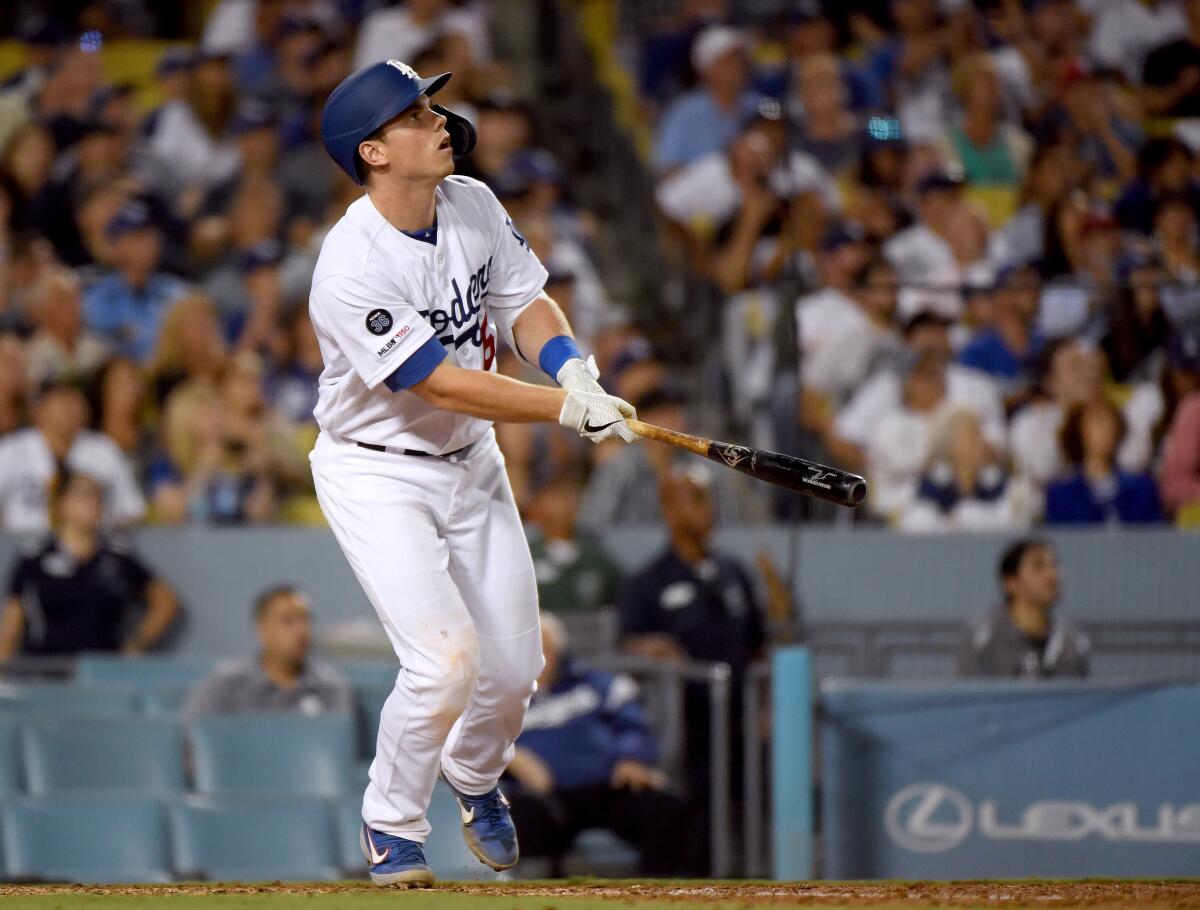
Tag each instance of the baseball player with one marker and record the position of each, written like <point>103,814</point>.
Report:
<point>412,287</point>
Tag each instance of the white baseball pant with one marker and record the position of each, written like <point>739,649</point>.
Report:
<point>438,547</point>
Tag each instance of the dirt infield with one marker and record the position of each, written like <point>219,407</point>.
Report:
<point>572,894</point>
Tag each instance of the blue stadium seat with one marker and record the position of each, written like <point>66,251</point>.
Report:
<point>255,838</point>
<point>86,838</point>
<point>28,699</point>
<point>164,701</point>
<point>273,753</point>
<point>141,673</point>
<point>10,757</point>
<point>368,701</point>
<point>349,819</point>
<point>110,753</point>
<point>370,673</point>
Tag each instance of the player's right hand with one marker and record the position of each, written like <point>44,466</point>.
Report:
<point>597,416</point>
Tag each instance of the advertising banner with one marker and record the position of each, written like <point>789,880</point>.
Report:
<point>1009,780</point>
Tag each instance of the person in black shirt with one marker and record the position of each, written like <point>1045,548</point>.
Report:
<point>1171,72</point>
<point>694,603</point>
<point>1023,637</point>
<point>73,592</point>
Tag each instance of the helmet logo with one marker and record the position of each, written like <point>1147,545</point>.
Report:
<point>404,68</point>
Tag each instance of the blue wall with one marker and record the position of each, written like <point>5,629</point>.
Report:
<point>843,575</point>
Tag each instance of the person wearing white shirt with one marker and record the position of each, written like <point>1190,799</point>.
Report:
<point>402,30</point>
<point>29,459</point>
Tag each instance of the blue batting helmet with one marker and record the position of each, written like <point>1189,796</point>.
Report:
<point>369,98</point>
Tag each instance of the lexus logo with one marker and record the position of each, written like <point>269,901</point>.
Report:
<point>928,818</point>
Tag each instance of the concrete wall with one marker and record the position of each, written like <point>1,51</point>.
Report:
<point>842,575</point>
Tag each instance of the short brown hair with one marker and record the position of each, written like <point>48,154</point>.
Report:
<point>1070,434</point>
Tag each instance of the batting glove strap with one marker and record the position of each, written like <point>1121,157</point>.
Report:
<point>578,375</point>
<point>597,416</point>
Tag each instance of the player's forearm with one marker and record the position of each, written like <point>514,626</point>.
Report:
<point>540,321</point>
<point>489,396</point>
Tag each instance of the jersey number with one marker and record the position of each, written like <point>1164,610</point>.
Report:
<point>489,345</point>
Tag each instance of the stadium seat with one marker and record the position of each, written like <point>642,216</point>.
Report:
<point>29,699</point>
<point>601,853</point>
<point>267,753</point>
<point>348,809</point>
<point>10,756</point>
<point>370,673</point>
<point>86,838</point>
<point>141,673</point>
<point>368,701</point>
<point>255,838</point>
<point>164,701</point>
<point>111,753</point>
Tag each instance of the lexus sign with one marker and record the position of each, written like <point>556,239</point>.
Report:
<point>933,817</point>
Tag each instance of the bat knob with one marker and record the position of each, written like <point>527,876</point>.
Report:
<point>856,493</point>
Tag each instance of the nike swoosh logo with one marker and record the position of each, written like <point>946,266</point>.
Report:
<point>468,815</point>
<point>591,429</point>
<point>375,856</point>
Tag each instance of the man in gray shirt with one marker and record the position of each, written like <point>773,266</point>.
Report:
<point>282,677</point>
<point>1023,637</point>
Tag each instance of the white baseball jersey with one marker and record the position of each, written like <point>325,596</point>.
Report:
<point>379,296</point>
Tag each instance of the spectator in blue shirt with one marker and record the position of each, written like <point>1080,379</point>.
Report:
<point>129,301</point>
<point>708,118</point>
<point>1098,492</point>
<point>1007,350</point>
<point>586,759</point>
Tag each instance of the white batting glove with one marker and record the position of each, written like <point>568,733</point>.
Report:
<point>597,416</point>
<point>580,376</point>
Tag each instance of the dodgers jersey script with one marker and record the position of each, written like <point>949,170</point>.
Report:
<point>379,294</point>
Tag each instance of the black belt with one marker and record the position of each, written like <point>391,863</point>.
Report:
<point>414,452</point>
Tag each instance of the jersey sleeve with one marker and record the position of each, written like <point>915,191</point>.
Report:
<point>376,331</point>
<point>516,276</point>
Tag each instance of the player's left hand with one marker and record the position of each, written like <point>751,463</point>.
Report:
<point>598,416</point>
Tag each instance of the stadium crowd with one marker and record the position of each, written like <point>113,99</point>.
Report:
<point>955,247</point>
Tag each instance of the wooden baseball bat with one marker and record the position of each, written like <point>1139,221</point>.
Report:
<point>808,477</point>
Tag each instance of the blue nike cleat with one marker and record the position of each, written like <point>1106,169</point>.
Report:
<point>488,827</point>
<point>394,860</point>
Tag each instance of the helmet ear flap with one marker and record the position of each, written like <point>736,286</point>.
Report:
<point>462,132</point>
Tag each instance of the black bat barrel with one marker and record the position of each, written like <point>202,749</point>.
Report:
<point>808,477</point>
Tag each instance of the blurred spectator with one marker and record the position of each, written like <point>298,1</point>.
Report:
<point>127,304</point>
<point>1180,474</point>
<point>292,386</point>
<point>505,127</point>
<point>28,158</point>
<point>1097,492</point>
<point>1007,349</point>
<point>14,385</point>
<point>586,758</point>
<point>933,256</point>
<point>965,486</point>
<point>695,603</point>
<point>1164,169</point>
<point>827,129</point>
<point>911,64</point>
<point>927,339</point>
<point>706,119</point>
<point>692,602</point>
<point>30,458</point>
<point>187,143</point>
<point>190,345</point>
<point>402,28</point>
<point>283,677</point>
<point>1177,237</point>
<point>1023,637</point>
<point>990,151</point>
<point>1138,328</point>
<point>574,571</point>
<point>227,459</point>
<point>74,592</point>
<point>1051,174</point>
<point>61,345</point>
<point>1171,72</point>
<point>119,408</point>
